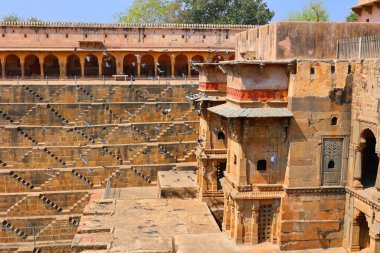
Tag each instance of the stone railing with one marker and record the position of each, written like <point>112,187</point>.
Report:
<point>359,48</point>
<point>123,25</point>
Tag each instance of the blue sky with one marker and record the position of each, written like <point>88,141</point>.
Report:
<point>104,11</point>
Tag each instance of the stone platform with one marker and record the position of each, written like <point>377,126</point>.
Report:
<point>177,184</point>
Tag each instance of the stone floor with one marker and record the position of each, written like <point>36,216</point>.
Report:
<point>136,221</point>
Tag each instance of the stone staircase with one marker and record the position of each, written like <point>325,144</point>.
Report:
<point>35,94</point>
<point>20,233</point>
<point>83,178</point>
<point>57,114</point>
<point>21,180</point>
<point>26,135</point>
<point>15,205</point>
<point>26,115</point>
<point>50,203</point>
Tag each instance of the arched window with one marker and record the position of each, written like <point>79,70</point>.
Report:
<point>130,65</point>
<point>91,66</point>
<point>73,67</point>
<point>370,160</point>
<point>181,66</point>
<point>12,66</point>
<point>147,66</point>
<point>217,58</point>
<point>164,66</point>
<point>331,164</point>
<point>108,65</point>
<point>221,135</point>
<point>261,165</point>
<point>196,59</point>
<point>32,67</point>
<point>51,66</point>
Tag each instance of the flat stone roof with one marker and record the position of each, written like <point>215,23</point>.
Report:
<point>172,179</point>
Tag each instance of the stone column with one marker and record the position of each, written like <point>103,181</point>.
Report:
<point>138,66</point>
<point>243,165</point>
<point>377,184</point>
<point>239,224</point>
<point>374,243</point>
<point>119,65</point>
<point>226,213</point>
<point>42,67</point>
<point>189,69</point>
<point>82,63</point>
<point>232,220</point>
<point>22,65</point>
<point>63,64</point>
<point>358,169</point>
<point>255,223</point>
<point>173,65</point>
<point>3,67</point>
<point>276,210</point>
<point>355,234</point>
<point>100,66</point>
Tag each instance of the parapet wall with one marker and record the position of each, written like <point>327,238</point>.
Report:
<point>67,36</point>
<point>298,40</point>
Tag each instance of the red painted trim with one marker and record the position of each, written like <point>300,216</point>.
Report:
<point>257,95</point>
<point>211,86</point>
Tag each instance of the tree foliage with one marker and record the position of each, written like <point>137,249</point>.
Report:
<point>151,11</point>
<point>315,11</point>
<point>253,12</point>
<point>16,18</point>
<point>249,12</point>
<point>13,17</point>
<point>352,17</point>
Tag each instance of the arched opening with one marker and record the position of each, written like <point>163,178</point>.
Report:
<point>261,165</point>
<point>334,121</point>
<point>147,66</point>
<point>196,59</point>
<point>109,65</point>
<point>370,160</point>
<point>73,67</point>
<point>181,65</point>
<point>12,66</point>
<point>32,67</point>
<point>364,238</point>
<point>164,66</point>
<point>221,135</point>
<point>331,164</point>
<point>91,66</point>
<point>217,58</point>
<point>232,57</point>
<point>130,65</point>
<point>51,66</point>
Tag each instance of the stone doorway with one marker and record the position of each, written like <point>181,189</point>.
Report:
<point>370,160</point>
<point>221,168</point>
<point>364,239</point>
<point>265,223</point>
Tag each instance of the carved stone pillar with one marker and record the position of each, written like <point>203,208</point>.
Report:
<point>358,169</point>
<point>3,67</point>
<point>240,233</point>
<point>226,213</point>
<point>119,64</point>
<point>189,69</point>
<point>173,65</point>
<point>22,65</point>
<point>276,210</point>
<point>82,65</point>
<point>255,223</point>
<point>63,64</point>
<point>232,220</point>
<point>355,235</point>
<point>100,66</point>
<point>42,63</point>
<point>138,67</point>
<point>374,243</point>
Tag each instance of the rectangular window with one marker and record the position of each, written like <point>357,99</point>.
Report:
<point>332,161</point>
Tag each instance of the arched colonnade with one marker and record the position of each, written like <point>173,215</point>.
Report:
<point>36,65</point>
